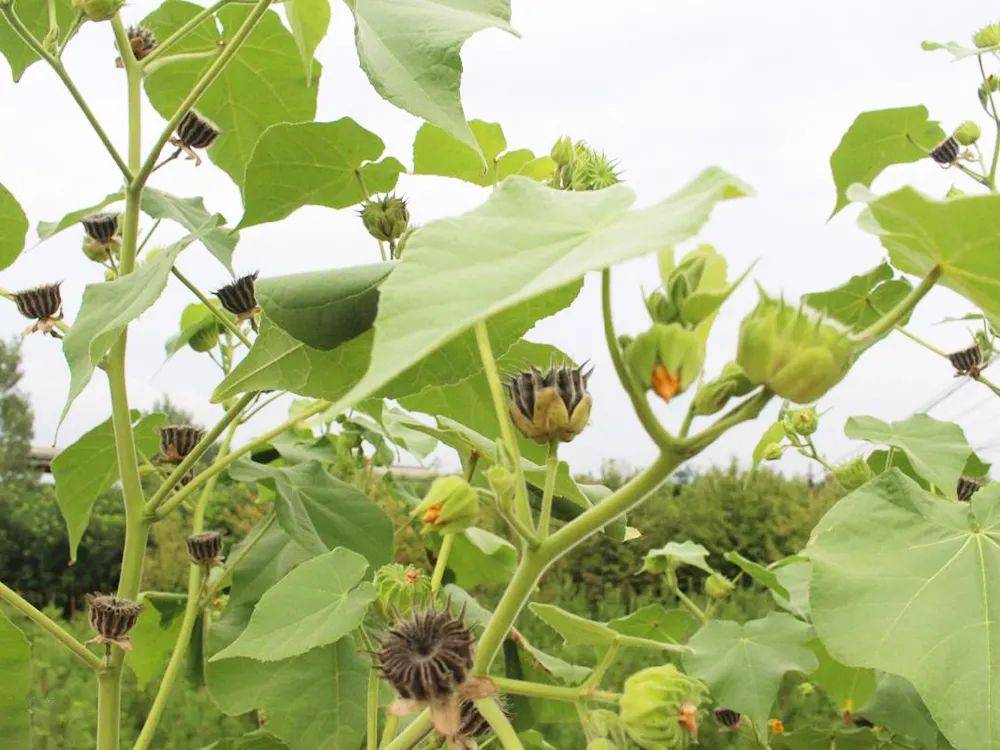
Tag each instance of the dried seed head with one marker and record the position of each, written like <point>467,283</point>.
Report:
<point>177,441</point>
<point>427,656</point>
<point>205,548</point>
<point>728,719</point>
<point>966,488</point>
<point>43,304</point>
<point>946,152</point>
<point>967,361</point>
<point>196,131</point>
<point>554,405</point>
<point>239,297</point>
<point>142,40</point>
<point>101,227</point>
<point>112,618</point>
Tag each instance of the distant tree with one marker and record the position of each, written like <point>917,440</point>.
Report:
<point>175,414</point>
<point>16,418</point>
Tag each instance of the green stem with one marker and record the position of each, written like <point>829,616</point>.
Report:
<point>744,412</point>
<point>500,724</point>
<point>635,641</point>
<point>415,731</point>
<point>234,560</point>
<point>441,564</point>
<point>690,605</point>
<point>108,709</point>
<point>551,469</point>
<point>597,674</point>
<point>989,384</point>
<point>220,316</point>
<point>926,345</point>
<point>389,730</point>
<point>553,692</point>
<point>688,420</point>
<point>185,29</point>
<point>371,733</point>
<point>182,57</point>
<point>889,321</point>
<point>50,626</point>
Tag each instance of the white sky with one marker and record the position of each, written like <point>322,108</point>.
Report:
<point>665,87</point>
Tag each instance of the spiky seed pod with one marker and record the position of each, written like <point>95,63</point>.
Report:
<point>728,719</point>
<point>427,656</point>
<point>966,488</point>
<point>659,708</point>
<point>112,618</point>
<point>853,473</point>
<point>205,548</point>
<point>177,441</point>
<point>43,304</point>
<point>239,297</point>
<point>400,590</point>
<point>967,361</point>
<point>101,227</point>
<point>988,36</point>
<point>554,405</point>
<point>385,218</point>
<point>142,40</point>
<point>196,131</point>
<point>946,152</point>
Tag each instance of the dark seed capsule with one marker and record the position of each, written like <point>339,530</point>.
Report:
<point>195,131</point>
<point>177,441</point>
<point>967,360</point>
<point>426,656</point>
<point>40,303</point>
<point>112,617</point>
<point>946,152</point>
<point>534,399</point>
<point>861,721</point>
<point>205,548</point>
<point>239,297</point>
<point>728,718</point>
<point>966,488</point>
<point>472,724</point>
<point>101,227</point>
<point>142,40</point>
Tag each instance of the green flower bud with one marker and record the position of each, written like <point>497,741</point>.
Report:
<point>98,10</point>
<point>659,708</point>
<point>772,452</point>
<point>205,339</point>
<point>666,359</point>
<point>554,405</point>
<point>451,505</point>
<point>98,251</point>
<point>562,151</point>
<point>502,481</point>
<point>401,589</point>
<point>967,133</point>
<point>385,218</point>
<point>990,86</point>
<point>584,169</point>
<point>662,308</point>
<point>718,586</point>
<point>712,396</point>
<point>793,351</point>
<point>853,473</point>
<point>988,36</point>
<point>803,421</point>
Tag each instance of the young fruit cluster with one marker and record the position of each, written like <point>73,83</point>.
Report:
<point>580,167</point>
<point>659,708</point>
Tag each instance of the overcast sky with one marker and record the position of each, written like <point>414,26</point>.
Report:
<point>667,88</point>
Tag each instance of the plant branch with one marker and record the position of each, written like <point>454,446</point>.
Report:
<point>50,626</point>
<point>190,25</point>
<point>913,337</point>
<point>447,541</point>
<point>499,723</point>
<point>551,469</point>
<point>744,412</point>
<point>552,692</point>
<point>889,321</point>
<point>414,732</point>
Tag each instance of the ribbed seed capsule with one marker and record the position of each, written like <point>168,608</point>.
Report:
<point>728,719</point>
<point>966,488</point>
<point>43,304</point>
<point>946,153</point>
<point>205,548</point>
<point>101,227</point>
<point>239,297</point>
<point>196,131</point>
<point>474,725</point>
<point>427,656</point>
<point>967,361</point>
<point>554,405</point>
<point>112,618</point>
<point>177,441</point>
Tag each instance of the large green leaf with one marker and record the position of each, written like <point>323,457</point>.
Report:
<point>907,583</point>
<point>526,240</point>
<point>13,226</point>
<point>877,140</point>
<point>107,308</point>
<point>575,630</point>
<point>410,52</point>
<point>15,666</point>
<point>896,706</point>
<point>849,687</point>
<point>35,15</point>
<point>308,20</point>
<point>863,299</point>
<point>479,557</point>
<point>314,164</point>
<point>321,512</point>
<point>654,622</point>
<point>937,450</point>
<point>678,553</point>
<point>960,236</point>
<point>262,85</point>
<point>314,605</point>
<point>743,665</point>
<point>154,637</point>
<point>89,466</point>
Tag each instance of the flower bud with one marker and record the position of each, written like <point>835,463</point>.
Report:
<point>562,151</point>
<point>946,152</point>
<point>988,36</point>
<point>112,618</point>
<point>587,169</point>
<point>177,441</point>
<point>966,488</point>
<point>401,589</point>
<point>967,133</point>
<point>473,725</point>
<point>205,338</point>
<point>451,505</point>
<point>777,726</point>
<point>99,252</point>
<point>802,422</point>
<point>853,473</point>
<point>503,482</point>
<point>772,452</point>
<point>240,297</point>
<point>711,397</point>
<point>666,359</point>
<point>385,218</point>
<point>98,10</point>
<point>43,304</point>
<point>967,362</point>
<point>205,548</point>
<point>988,87</point>
<point>549,406</point>
<point>793,351</point>
<point>718,587</point>
<point>659,708</point>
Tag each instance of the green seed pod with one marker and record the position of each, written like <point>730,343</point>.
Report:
<point>98,251</point>
<point>666,359</point>
<point>385,218</point>
<point>853,473</point>
<point>502,481</point>
<point>401,589</point>
<point>562,151</point>
<point>793,351</point>
<point>772,452</point>
<point>988,36</point>
<point>718,586</point>
<point>659,708</point>
<point>554,405</point>
<point>98,10</point>
<point>585,169</point>
<point>803,421</point>
<point>990,86</point>
<point>451,505</point>
<point>206,338</point>
<point>712,396</point>
<point>967,133</point>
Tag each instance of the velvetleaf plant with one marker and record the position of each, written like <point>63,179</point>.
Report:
<point>891,605</point>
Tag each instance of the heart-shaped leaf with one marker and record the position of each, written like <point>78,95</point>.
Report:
<point>13,225</point>
<point>308,20</point>
<point>35,16</point>
<point>863,299</point>
<point>575,630</point>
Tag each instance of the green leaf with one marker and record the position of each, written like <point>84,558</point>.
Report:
<point>563,671</point>
<point>680,553</point>
<point>107,308</point>
<point>849,687</point>
<point>35,16</point>
<point>262,85</point>
<point>958,51</point>
<point>863,299</point>
<point>961,236</point>
<point>47,229</point>
<point>937,450</point>
<point>13,224</point>
<point>744,664</point>
<point>190,213</point>
<point>314,164</point>
<point>437,152</point>
<point>773,434</point>
<point>898,707</point>
<point>324,309</point>
<point>154,637</point>
<point>762,575</point>
<point>195,318</point>
<point>835,738</point>
<point>525,241</point>
<point>15,666</point>
<point>479,557</point>
<point>410,53</point>
<point>316,604</point>
<point>321,512</point>
<point>575,630</point>
<point>794,574</point>
<point>88,467</point>
<point>654,622</point>
<point>906,583</point>
<point>877,140</point>
<point>308,20</point>
<point>257,740</point>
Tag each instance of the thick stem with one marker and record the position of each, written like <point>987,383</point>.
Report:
<point>108,709</point>
<point>441,564</point>
<point>371,724</point>
<point>552,692</point>
<point>500,724</point>
<point>50,626</point>
<point>389,730</point>
<point>889,321</point>
<point>551,470</point>
<point>414,732</point>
